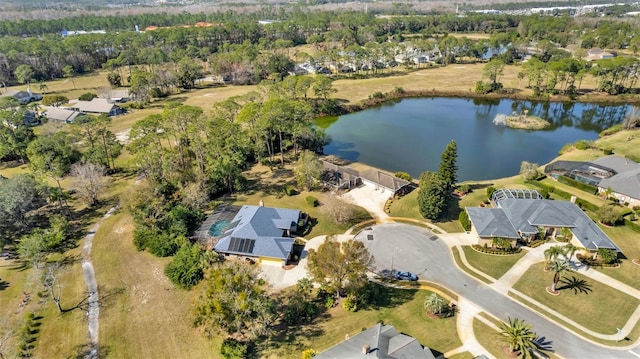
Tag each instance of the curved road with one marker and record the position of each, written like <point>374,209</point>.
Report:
<point>414,249</point>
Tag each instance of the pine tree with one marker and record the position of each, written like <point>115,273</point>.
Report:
<point>431,195</point>
<point>448,169</point>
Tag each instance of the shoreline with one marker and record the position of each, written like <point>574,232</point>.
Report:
<point>400,95</point>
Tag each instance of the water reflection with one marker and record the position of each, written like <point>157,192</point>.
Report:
<point>410,134</point>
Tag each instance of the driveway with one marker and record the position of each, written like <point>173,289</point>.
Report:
<point>419,251</point>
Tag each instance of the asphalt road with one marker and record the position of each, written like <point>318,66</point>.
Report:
<point>417,250</point>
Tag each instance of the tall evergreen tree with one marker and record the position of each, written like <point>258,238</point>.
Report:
<point>448,168</point>
<point>431,195</point>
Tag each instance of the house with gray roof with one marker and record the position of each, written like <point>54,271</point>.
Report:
<point>98,106</point>
<point>260,232</point>
<point>380,341</point>
<point>517,217</point>
<point>61,114</point>
<point>625,184</point>
<point>24,97</point>
<point>384,182</point>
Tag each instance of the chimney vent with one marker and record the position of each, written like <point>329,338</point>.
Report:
<point>366,349</point>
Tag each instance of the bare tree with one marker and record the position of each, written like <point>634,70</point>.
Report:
<point>632,120</point>
<point>6,336</point>
<point>51,282</point>
<point>89,180</point>
<point>338,210</point>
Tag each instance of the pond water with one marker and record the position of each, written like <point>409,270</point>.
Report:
<point>410,134</point>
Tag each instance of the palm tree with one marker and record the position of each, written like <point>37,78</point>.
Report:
<point>519,336</point>
<point>551,254</point>
<point>569,251</point>
<point>434,303</point>
<point>559,267</point>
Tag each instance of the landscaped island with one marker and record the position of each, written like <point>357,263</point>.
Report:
<point>523,121</point>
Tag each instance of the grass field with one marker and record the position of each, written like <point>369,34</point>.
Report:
<point>493,265</point>
<point>142,314</point>
<point>581,299</point>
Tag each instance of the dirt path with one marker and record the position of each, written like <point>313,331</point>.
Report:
<point>93,309</point>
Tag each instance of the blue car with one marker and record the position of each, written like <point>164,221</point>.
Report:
<point>406,276</point>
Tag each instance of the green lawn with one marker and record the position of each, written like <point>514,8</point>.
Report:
<point>405,312</point>
<point>489,339</point>
<point>456,257</point>
<point>627,273</point>
<point>581,299</point>
<point>464,355</point>
<point>493,265</point>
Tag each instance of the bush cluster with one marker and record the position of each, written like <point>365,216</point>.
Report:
<point>489,250</point>
<point>312,201</point>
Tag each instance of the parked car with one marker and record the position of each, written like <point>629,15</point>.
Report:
<point>406,276</point>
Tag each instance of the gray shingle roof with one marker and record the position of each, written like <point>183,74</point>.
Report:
<point>626,181</point>
<point>62,114</point>
<point>384,179</point>
<point>525,215</point>
<point>96,105</point>
<point>384,342</point>
<point>266,226</point>
<point>491,222</point>
<point>617,163</point>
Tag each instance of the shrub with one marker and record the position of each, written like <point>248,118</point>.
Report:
<point>185,269</point>
<point>611,130</point>
<point>584,144</point>
<point>399,90</point>
<point>309,353</point>
<point>608,215</point>
<point>487,250</point>
<point>377,95</point>
<point>312,201</point>
<point>289,190</point>
<point>233,349</point>
<point>607,151</point>
<point>464,188</point>
<point>87,96</point>
<point>350,304</point>
<point>464,220</point>
<point>490,191</point>
<point>403,175</point>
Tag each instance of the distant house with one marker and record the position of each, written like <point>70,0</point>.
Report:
<point>98,106</point>
<point>618,175</point>
<point>61,114</point>
<point>24,97</point>
<point>346,178</point>
<point>625,184</point>
<point>115,96</point>
<point>380,341</point>
<point>598,54</point>
<point>519,213</point>
<point>260,232</point>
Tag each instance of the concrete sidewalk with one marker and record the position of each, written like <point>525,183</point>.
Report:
<point>467,311</point>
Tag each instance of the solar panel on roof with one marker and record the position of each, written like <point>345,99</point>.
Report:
<point>242,245</point>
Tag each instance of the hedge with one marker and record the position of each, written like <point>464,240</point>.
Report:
<point>496,251</point>
<point>549,189</point>
<point>537,243</point>
<point>634,227</point>
<point>586,205</point>
<point>577,184</point>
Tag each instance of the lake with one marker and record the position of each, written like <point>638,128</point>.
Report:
<point>410,134</point>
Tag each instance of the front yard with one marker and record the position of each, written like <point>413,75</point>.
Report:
<point>583,300</point>
<point>493,265</point>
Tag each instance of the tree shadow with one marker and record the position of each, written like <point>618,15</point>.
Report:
<point>576,284</point>
<point>3,284</point>
<point>389,297</point>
